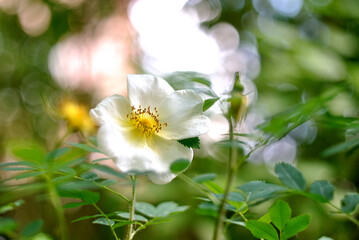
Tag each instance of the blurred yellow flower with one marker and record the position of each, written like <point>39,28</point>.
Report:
<point>77,116</point>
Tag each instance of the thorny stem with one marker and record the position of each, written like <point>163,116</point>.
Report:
<point>108,221</point>
<point>57,206</point>
<point>351,218</point>
<point>130,228</point>
<point>231,173</point>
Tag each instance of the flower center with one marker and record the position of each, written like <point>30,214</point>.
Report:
<point>145,120</point>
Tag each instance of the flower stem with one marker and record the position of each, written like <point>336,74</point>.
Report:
<point>108,221</point>
<point>57,206</point>
<point>130,227</point>
<point>351,218</point>
<point>231,173</point>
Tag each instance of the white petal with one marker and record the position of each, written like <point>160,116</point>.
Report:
<point>167,151</point>
<point>161,178</point>
<point>182,111</point>
<point>133,151</point>
<point>112,109</point>
<point>147,90</point>
<point>128,148</point>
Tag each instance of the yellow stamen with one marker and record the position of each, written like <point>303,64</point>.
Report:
<point>145,120</point>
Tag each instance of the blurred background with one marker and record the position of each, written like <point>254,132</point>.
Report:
<point>59,58</point>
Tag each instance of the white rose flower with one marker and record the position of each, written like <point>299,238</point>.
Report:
<point>140,132</point>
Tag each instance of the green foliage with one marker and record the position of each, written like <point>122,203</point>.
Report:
<point>11,206</point>
<point>162,210</point>
<point>262,230</point>
<point>350,144</point>
<point>180,165</point>
<point>280,214</point>
<point>87,217</point>
<point>86,196</point>
<point>74,204</point>
<point>32,154</point>
<point>324,189</point>
<point>84,147</point>
<point>103,221</point>
<point>191,142</point>
<point>136,217</point>
<point>32,228</point>
<point>295,225</point>
<point>7,225</point>
<point>290,176</point>
<point>205,177</point>
<point>280,125</point>
<point>89,176</point>
<point>209,102</point>
<point>259,190</point>
<point>349,202</point>
<point>207,209</point>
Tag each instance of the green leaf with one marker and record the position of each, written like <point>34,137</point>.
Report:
<point>87,217</point>
<point>312,196</point>
<point>205,177</point>
<point>84,147</point>
<point>214,187</point>
<point>240,223</point>
<point>86,196</point>
<point>11,206</point>
<point>62,178</point>
<point>103,221</point>
<point>265,218</point>
<point>100,159</point>
<point>29,154</point>
<point>280,125</point>
<point>17,169</point>
<point>324,189</point>
<point>108,170</point>
<point>349,202</point>
<point>239,207</point>
<point>7,225</point>
<point>146,209</point>
<point>68,170</point>
<point>238,144</point>
<point>107,182</point>
<point>209,102</point>
<point>236,197</point>
<point>136,217</point>
<point>280,214</point>
<point>121,223</point>
<point>295,225</point>
<point>56,153</point>
<point>32,228</point>
<point>289,175</point>
<point>19,163</point>
<point>341,147</point>
<point>162,210</point>
<point>74,205</point>
<point>180,165</point>
<point>28,174</point>
<point>262,230</point>
<point>155,221</point>
<point>207,209</point>
<point>259,190</point>
<point>190,142</point>
<point>166,208</point>
<point>89,176</point>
